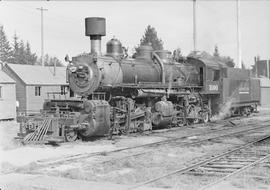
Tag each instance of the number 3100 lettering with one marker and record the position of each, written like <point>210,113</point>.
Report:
<point>213,87</point>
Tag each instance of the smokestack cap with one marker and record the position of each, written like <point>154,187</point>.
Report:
<point>95,26</point>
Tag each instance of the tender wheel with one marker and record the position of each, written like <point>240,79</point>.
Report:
<point>196,121</point>
<point>71,135</point>
<point>205,117</point>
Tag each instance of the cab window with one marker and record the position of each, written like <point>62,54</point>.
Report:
<point>216,75</point>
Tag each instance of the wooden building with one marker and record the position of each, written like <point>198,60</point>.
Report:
<point>7,97</point>
<point>261,69</point>
<point>265,91</point>
<point>35,83</point>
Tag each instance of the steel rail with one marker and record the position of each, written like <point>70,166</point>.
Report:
<point>194,166</point>
<point>236,172</point>
<point>43,163</point>
<point>167,141</point>
<point>181,144</point>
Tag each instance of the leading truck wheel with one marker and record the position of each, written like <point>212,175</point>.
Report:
<point>70,135</point>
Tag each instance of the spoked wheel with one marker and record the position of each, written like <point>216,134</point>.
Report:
<point>71,135</point>
<point>196,121</point>
<point>244,111</point>
<point>193,113</point>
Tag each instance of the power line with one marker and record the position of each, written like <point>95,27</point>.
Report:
<point>42,35</point>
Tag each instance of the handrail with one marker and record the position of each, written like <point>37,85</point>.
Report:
<point>160,62</point>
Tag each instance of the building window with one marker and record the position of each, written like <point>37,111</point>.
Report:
<point>37,90</point>
<point>71,93</point>
<point>63,90</point>
<point>0,91</point>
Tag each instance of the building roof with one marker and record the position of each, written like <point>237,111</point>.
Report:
<point>39,75</point>
<point>4,78</point>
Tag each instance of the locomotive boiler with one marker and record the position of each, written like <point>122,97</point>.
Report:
<point>121,95</point>
<point>93,72</point>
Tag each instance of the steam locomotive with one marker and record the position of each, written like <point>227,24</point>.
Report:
<point>121,95</point>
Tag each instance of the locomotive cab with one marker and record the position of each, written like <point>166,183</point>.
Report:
<point>209,72</point>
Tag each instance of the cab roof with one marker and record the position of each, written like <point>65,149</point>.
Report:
<point>208,60</point>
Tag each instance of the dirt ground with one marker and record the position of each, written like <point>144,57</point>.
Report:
<point>119,169</point>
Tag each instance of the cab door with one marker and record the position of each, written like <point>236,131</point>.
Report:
<point>212,82</point>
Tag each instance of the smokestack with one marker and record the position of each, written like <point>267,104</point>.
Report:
<point>95,27</point>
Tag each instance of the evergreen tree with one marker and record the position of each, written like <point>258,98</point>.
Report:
<point>28,54</point>
<point>229,61</point>
<point>20,53</point>
<point>55,61</point>
<point>150,38</point>
<point>216,53</point>
<point>225,59</point>
<point>30,57</point>
<point>15,49</point>
<point>46,60</point>
<point>22,56</point>
<point>50,61</point>
<point>5,49</point>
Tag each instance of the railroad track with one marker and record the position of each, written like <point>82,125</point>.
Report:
<point>188,143</point>
<point>45,163</point>
<point>42,164</point>
<point>223,165</point>
<point>153,144</point>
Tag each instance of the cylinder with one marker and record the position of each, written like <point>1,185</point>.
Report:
<point>96,120</point>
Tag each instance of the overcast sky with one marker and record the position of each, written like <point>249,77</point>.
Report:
<point>127,20</point>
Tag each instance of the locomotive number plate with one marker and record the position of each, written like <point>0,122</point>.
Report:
<point>213,87</point>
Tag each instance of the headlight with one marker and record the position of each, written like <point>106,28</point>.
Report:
<point>73,69</point>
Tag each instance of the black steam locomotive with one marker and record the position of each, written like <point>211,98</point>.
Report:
<point>121,95</point>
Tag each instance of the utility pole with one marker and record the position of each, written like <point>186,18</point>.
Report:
<point>239,53</point>
<point>54,67</point>
<point>41,9</point>
<point>194,27</point>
